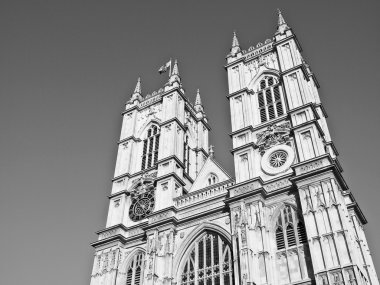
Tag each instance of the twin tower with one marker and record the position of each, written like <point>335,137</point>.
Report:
<point>286,216</point>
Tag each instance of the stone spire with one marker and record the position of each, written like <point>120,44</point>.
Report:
<point>137,93</point>
<point>235,45</point>
<point>198,103</point>
<point>281,26</point>
<point>174,77</point>
<point>138,86</point>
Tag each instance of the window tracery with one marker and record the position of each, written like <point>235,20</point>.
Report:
<point>290,230</point>
<point>291,245</point>
<point>209,262</point>
<point>150,148</point>
<point>134,270</point>
<point>269,97</point>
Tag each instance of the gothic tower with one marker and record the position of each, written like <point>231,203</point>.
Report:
<point>177,217</point>
<point>294,219</point>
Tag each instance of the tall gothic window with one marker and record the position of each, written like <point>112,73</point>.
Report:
<point>290,231</point>
<point>270,102</point>
<point>134,270</point>
<point>150,148</point>
<point>209,262</point>
<point>186,155</point>
<point>292,250</point>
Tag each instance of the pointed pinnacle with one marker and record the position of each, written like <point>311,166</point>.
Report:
<point>281,20</point>
<point>138,87</point>
<point>198,100</point>
<point>175,68</point>
<point>235,41</point>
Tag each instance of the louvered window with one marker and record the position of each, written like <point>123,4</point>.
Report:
<point>292,248</point>
<point>269,97</point>
<point>294,233</point>
<point>134,270</point>
<point>186,155</point>
<point>150,148</point>
<point>209,262</point>
<point>301,233</point>
<point>280,241</point>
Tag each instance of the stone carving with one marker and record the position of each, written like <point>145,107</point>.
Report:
<point>198,196</point>
<point>277,185</point>
<point>108,233</point>
<point>244,189</point>
<point>273,135</point>
<point>159,217</point>
<point>252,52</point>
<point>311,166</point>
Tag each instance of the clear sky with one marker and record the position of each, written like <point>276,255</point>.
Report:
<point>67,68</point>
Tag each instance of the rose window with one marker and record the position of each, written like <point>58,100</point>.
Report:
<point>278,158</point>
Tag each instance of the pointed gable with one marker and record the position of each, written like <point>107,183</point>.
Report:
<point>210,170</point>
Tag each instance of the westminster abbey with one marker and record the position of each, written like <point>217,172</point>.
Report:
<point>286,216</point>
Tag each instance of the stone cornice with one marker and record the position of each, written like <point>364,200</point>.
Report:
<point>330,143</point>
<point>247,145</point>
<point>172,174</point>
<point>310,104</point>
<point>310,122</point>
<point>250,128</point>
<point>239,92</point>
<point>354,205</point>
<point>134,174</point>
<point>292,36</point>
<point>175,119</point>
<point>299,66</point>
<point>171,157</point>
<point>315,166</point>
<point>129,138</point>
<point>322,108</point>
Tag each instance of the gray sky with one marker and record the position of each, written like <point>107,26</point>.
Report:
<point>67,68</point>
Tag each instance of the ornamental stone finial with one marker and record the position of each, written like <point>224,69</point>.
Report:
<point>174,76</point>
<point>235,45</point>
<point>198,102</point>
<point>281,26</point>
<point>137,93</point>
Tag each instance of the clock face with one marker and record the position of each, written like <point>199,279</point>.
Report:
<point>141,206</point>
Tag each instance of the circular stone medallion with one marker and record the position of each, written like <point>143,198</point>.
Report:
<point>277,159</point>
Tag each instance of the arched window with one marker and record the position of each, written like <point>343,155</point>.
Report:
<point>150,148</point>
<point>290,231</point>
<point>291,244</point>
<point>212,179</point>
<point>186,155</point>
<point>134,270</point>
<point>209,262</point>
<point>269,97</point>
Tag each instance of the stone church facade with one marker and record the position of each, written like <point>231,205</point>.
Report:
<point>285,217</point>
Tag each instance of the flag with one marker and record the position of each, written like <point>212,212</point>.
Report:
<point>165,67</point>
